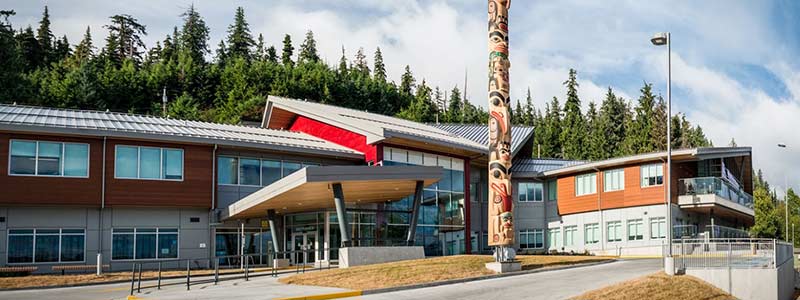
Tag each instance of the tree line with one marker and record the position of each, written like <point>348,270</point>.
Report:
<point>230,85</point>
<point>770,211</point>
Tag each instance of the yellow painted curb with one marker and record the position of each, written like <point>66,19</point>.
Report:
<point>324,296</point>
<point>132,297</point>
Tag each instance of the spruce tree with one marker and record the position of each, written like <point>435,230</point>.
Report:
<point>517,114</point>
<point>407,82</point>
<point>62,49</point>
<point>594,139</point>
<point>455,109</point>
<point>261,52</point>
<point>240,41</point>
<point>551,141</point>
<point>85,49</point>
<point>272,55</point>
<point>658,133</point>
<point>308,50</point>
<point>29,48</point>
<point>379,67</point>
<point>529,109</point>
<point>360,63</point>
<point>288,51</point>
<point>611,125</point>
<point>194,35</point>
<point>639,138</point>
<point>44,36</point>
<point>573,134</point>
<point>124,39</point>
<point>342,69</point>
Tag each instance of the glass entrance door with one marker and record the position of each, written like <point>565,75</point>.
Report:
<point>304,241</point>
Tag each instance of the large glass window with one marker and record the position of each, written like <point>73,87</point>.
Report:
<point>531,238</point>
<point>144,243</point>
<point>592,233</point>
<point>249,171</point>
<point>658,228</point>
<point>614,180</point>
<point>652,175</point>
<point>254,171</point>
<point>228,170</point>
<point>531,192</point>
<point>570,233</point>
<point>46,245</point>
<point>49,159</point>
<point>554,238</point>
<point>270,171</point>
<point>635,230</point>
<point>291,167</point>
<point>552,190</point>
<point>614,231</point>
<point>585,184</point>
<point>134,162</point>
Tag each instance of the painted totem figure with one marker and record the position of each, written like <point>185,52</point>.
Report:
<point>501,223</point>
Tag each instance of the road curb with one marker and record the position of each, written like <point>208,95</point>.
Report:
<point>336,295</point>
<point>464,280</point>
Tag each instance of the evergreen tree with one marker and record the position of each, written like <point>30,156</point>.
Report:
<point>422,108</point>
<point>11,73</point>
<point>611,125</point>
<point>528,110</point>
<point>222,53</point>
<point>658,134</point>
<point>360,63</point>
<point>455,110</point>
<point>30,49</point>
<point>517,114</point>
<point>194,35</point>
<point>551,141</point>
<point>639,134</point>
<point>380,68</point>
<point>45,38</point>
<point>62,49</point>
<point>595,139</point>
<point>767,219</point>
<point>240,41</point>
<point>124,38</point>
<point>288,51</point>
<point>261,52</point>
<point>308,50</point>
<point>573,132</point>
<point>272,55</point>
<point>406,82</point>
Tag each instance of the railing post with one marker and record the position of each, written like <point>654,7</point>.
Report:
<point>246,268</point>
<point>139,285</point>
<point>188,273</point>
<point>216,271</point>
<point>133,277</point>
<point>774,253</point>
<point>159,275</point>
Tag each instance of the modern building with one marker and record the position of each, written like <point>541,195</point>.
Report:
<point>80,183</point>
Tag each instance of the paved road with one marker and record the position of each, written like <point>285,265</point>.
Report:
<point>549,285</point>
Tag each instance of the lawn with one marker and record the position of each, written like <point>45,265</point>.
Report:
<point>658,286</point>
<point>75,279</point>
<point>423,271</point>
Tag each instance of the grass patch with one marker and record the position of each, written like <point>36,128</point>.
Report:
<point>423,271</point>
<point>31,281</point>
<point>658,286</point>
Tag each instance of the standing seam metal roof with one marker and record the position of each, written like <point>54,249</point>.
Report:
<point>40,118</point>
<point>539,165</point>
<point>480,133</point>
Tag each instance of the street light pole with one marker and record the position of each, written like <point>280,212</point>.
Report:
<point>785,201</point>
<point>661,39</point>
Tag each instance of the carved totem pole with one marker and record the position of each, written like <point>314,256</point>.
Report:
<point>501,224</point>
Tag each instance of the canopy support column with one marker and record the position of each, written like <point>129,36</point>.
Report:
<point>412,225</point>
<point>341,214</point>
<point>273,230</point>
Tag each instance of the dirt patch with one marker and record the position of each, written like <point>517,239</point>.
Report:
<point>659,286</point>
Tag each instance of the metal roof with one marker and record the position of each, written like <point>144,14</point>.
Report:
<point>375,127</point>
<point>533,167</point>
<point>480,133</point>
<point>98,123</point>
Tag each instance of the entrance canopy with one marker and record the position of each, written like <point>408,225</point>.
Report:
<point>311,188</point>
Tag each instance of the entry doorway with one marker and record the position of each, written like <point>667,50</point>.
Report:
<point>304,241</point>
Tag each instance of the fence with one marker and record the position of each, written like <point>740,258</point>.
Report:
<point>730,253</point>
<point>714,185</point>
<point>245,264</point>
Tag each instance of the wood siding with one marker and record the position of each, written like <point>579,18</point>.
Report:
<point>43,190</point>
<point>632,195</point>
<point>193,191</point>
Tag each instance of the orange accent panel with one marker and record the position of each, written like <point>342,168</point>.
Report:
<point>632,195</point>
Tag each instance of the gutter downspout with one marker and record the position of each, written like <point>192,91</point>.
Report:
<point>100,215</point>
<point>600,212</point>
<point>212,212</point>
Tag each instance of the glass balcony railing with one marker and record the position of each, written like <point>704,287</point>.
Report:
<point>714,185</point>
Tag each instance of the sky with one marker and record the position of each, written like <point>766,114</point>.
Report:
<point>734,66</point>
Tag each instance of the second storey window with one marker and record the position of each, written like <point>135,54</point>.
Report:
<point>38,158</point>
<point>531,192</point>
<point>253,171</point>
<point>614,180</point>
<point>652,175</point>
<point>585,184</point>
<point>133,162</point>
<point>552,190</point>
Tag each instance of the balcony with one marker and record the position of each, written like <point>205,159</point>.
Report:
<point>713,191</point>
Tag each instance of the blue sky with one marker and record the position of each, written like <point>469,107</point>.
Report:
<point>734,67</point>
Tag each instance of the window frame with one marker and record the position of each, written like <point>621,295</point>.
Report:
<point>61,163</point>
<point>660,221</point>
<point>533,233</point>
<point>557,241</point>
<point>621,182</point>
<point>640,223</point>
<point>573,229</point>
<point>524,191</point>
<point>33,244</point>
<point>160,163</point>
<point>641,175</point>
<point>261,160</point>
<point>596,237</point>
<point>157,233</point>
<point>617,232</point>
<point>578,177</point>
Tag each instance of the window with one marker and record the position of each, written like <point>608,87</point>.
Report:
<point>635,230</point>
<point>531,238</point>
<point>48,159</point>
<point>249,171</point>
<point>614,231</point>
<point>228,170</point>
<point>270,171</point>
<point>531,192</point>
<point>144,243</point>
<point>552,190</point>
<point>614,180</point>
<point>585,184</point>
<point>253,171</point>
<point>291,167</point>
<point>46,245</point>
<point>569,235</point>
<point>592,233</point>
<point>134,162</point>
<point>652,175</point>
<point>554,238</point>
<point>658,228</point>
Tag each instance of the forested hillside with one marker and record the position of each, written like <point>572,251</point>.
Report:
<point>230,82</point>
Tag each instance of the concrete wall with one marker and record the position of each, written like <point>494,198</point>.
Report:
<point>194,237</point>
<point>751,284</point>
<point>357,256</point>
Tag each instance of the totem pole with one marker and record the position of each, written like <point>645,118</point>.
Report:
<point>501,224</point>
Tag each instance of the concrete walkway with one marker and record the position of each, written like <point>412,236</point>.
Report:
<point>560,284</point>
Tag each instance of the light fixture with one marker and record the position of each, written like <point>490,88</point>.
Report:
<point>659,39</point>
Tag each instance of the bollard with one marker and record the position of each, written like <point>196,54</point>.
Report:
<point>216,272</point>
<point>139,284</point>
<point>188,274</point>
<point>159,275</point>
<point>133,277</point>
<point>246,268</point>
